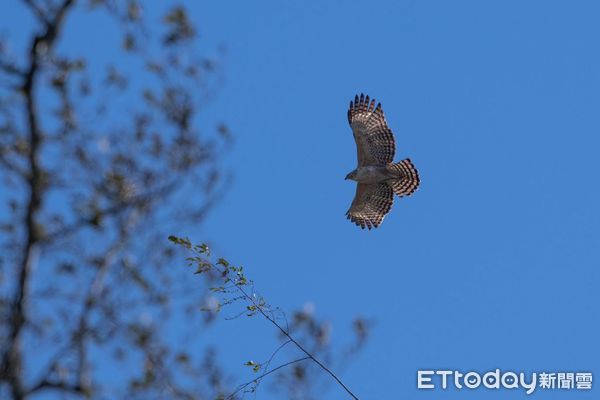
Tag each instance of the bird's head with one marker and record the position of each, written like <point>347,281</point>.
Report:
<point>351,175</point>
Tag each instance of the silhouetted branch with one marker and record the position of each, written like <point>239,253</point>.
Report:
<point>268,363</point>
<point>87,193</point>
<point>56,385</point>
<point>240,281</point>
<point>41,43</point>
<point>11,69</point>
<point>298,345</point>
<point>259,378</point>
<point>37,10</point>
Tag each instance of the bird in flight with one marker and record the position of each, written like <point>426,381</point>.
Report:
<point>377,176</point>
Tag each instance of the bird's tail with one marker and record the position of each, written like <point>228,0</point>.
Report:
<point>408,178</point>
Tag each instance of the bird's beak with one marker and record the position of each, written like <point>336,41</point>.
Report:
<point>346,178</point>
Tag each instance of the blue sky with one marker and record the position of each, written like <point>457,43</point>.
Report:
<point>493,262</point>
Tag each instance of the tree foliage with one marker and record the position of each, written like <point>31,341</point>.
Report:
<point>95,167</point>
<point>101,158</point>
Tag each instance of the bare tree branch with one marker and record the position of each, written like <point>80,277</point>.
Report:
<point>11,69</point>
<point>259,378</point>
<point>240,281</point>
<point>41,43</point>
<point>56,385</point>
<point>298,345</point>
<point>37,10</point>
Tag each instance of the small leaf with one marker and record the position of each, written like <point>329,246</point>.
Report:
<point>223,262</point>
<point>255,366</point>
<point>204,249</point>
<point>173,239</point>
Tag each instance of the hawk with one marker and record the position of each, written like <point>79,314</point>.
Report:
<point>377,176</point>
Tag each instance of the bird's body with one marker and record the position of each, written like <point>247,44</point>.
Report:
<point>377,176</point>
<point>373,174</point>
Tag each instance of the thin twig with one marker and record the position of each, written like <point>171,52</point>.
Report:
<point>259,307</point>
<point>275,353</point>
<point>268,363</point>
<point>40,13</point>
<point>258,378</point>
<point>298,345</point>
<point>11,69</point>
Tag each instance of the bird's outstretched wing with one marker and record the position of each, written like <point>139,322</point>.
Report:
<point>370,205</point>
<point>375,142</point>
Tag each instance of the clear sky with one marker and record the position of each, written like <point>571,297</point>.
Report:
<point>493,262</point>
